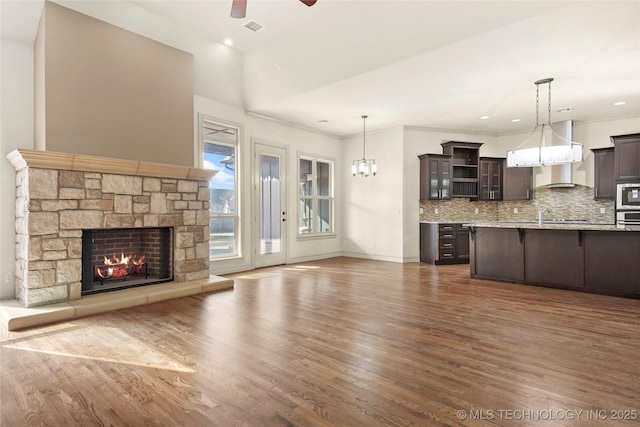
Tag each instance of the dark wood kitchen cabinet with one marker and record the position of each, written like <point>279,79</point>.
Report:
<point>627,157</point>
<point>498,182</point>
<point>599,259</point>
<point>462,244</point>
<point>554,257</point>
<point>604,185</point>
<point>435,177</point>
<point>491,177</point>
<point>464,168</point>
<point>518,183</point>
<point>444,243</point>
<point>460,172</point>
<point>497,253</point>
<point>611,263</point>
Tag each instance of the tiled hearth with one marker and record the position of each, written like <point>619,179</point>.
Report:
<point>59,195</point>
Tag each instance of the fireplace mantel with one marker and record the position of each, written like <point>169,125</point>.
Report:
<point>79,162</point>
<point>59,196</point>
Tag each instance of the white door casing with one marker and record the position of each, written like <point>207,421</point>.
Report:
<point>269,213</point>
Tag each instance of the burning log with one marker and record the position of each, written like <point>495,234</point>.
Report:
<point>121,268</point>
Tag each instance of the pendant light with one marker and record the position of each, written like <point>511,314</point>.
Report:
<point>561,150</point>
<point>364,166</point>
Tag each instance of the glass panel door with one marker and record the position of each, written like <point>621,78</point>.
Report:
<point>270,201</point>
<point>270,235</point>
<point>434,179</point>
<point>445,166</point>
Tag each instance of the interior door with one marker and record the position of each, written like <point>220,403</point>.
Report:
<point>270,201</point>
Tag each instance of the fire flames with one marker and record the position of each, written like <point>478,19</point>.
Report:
<point>114,268</point>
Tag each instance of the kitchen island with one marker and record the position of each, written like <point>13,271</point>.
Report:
<point>596,258</point>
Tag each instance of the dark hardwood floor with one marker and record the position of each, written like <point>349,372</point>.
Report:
<point>338,342</point>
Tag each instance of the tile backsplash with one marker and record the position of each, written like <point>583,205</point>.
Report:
<point>575,203</point>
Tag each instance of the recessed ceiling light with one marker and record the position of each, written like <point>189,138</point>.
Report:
<point>620,103</point>
<point>564,110</point>
<point>323,121</point>
<point>515,120</point>
<point>228,42</point>
<point>484,117</point>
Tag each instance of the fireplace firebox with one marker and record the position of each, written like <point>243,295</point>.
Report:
<point>125,257</point>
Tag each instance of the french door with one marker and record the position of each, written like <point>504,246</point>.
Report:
<point>270,213</point>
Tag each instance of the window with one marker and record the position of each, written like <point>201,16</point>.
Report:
<point>220,152</point>
<point>316,197</point>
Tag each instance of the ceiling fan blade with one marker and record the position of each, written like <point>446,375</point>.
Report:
<point>239,9</point>
<point>309,2</point>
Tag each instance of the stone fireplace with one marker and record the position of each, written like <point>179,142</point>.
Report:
<point>61,197</point>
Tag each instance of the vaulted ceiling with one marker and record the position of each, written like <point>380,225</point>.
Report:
<point>435,64</point>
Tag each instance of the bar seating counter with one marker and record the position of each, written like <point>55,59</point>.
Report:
<point>597,258</point>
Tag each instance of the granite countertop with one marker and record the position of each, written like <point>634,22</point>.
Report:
<point>442,222</point>
<point>554,226</point>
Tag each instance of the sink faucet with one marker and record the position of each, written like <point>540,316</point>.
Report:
<point>541,213</point>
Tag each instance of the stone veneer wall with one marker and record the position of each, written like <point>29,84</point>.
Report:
<point>574,203</point>
<point>54,206</point>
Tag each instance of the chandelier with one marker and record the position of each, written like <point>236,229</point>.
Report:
<point>561,150</point>
<point>364,166</point>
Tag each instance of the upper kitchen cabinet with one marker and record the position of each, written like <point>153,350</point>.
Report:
<point>604,183</point>
<point>491,177</point>
<point>518,183</point>
<point>464,157</point>
<point>498,182</point>
<point>435,177</point>
<point>627,157</point>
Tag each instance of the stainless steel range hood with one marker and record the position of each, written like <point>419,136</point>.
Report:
<point>561,175</point>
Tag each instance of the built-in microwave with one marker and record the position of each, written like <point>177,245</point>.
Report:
<point>628,196</point>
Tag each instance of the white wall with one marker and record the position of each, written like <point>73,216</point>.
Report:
<point>16,131</point>
<point>372,215</point>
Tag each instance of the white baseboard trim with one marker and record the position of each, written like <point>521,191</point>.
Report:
<point>313,257</point>
<point>296,260</point>
<point>373,257</point>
